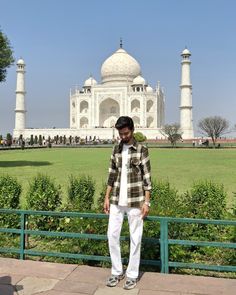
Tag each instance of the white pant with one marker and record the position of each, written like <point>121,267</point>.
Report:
<point>136,230</point>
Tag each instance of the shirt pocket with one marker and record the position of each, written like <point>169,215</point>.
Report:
<point>136,165</point>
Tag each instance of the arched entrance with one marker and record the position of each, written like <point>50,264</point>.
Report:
<point>135,106</point>
<point>109,112</point>
<point>84,122</point>
<point>150,122</point>
<point>136,121</point>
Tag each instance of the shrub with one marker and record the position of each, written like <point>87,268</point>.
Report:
<point>45,195</point>
<point>10,191</point>
<point>139,136</point>
<point>165,200</point>
<point>81,192</point>
<point>100,200</point>
<point>206,200</point>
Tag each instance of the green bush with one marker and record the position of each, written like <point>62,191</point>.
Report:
<point>165,200</point>
<point>101,198</point>
<point>10,191</point>
<point>81,192</point>
<point>45,195</point>
<point>206,200</point>
<point>139,136</point>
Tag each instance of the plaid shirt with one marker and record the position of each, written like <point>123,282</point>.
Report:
<point>138,174</point>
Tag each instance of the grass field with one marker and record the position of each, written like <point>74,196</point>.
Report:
<point>182,167</point>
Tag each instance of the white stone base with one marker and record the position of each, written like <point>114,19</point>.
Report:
<point>101,133</point>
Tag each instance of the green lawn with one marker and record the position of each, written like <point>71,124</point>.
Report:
<point>180,166</point>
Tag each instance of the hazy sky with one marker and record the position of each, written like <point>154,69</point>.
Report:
<point>63,41</point>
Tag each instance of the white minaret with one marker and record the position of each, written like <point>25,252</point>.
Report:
<point>186,119</point>
<point>20,97</point>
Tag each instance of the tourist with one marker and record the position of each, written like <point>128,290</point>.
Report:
<point>128,191</point>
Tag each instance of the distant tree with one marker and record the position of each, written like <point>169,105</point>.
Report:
<point>139,136</point>
<point>9,139</point>
<point>70,139</point>
<point>213,127</point>
<point>36,139</point>
<point>0,139</point>
<point>172,132</point>
<point>6,56</point>
<point>31,139</point>
<point>40,140</point>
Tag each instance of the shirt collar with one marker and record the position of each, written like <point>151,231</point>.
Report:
<point>134,145</point>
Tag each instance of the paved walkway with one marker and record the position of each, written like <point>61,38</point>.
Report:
<point>27,277</point>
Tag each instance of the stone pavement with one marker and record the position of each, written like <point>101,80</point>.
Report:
<point>18,277</point>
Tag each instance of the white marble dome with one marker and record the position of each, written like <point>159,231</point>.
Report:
<point>120,67</point>
<point>139,80</point>
<point>20,62</point>
<point>185,52</point>
<point>90,82</point>
<point>149,89</point>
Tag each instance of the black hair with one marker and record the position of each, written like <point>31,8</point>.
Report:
<point>124,121</point>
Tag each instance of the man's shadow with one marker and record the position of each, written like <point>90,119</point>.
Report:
<point>6,287</point>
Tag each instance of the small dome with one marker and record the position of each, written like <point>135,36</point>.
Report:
<point>90,82</point>
<point>139,80</point>
<point>185,52</point>
<point>149,89</point>
<point>20,62</point>
<point>120,67</point>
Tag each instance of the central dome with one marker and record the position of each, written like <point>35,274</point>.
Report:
<point>120,67</point>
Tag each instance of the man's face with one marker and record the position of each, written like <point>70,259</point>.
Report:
<point>125,134</point>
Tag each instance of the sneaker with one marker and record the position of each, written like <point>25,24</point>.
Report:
<point>130,284</point>
<point>113,280</point>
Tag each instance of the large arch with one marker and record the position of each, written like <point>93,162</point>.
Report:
<point>109,112</point>
<point>136,121</point>
<point>149,106</point>
<point>135,106</point>
<point>83,106</point>
<point>150,122</point>
<point>84,122</point>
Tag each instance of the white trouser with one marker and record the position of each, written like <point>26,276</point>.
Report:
<point>136,230</point>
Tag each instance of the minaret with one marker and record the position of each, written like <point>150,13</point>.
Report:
<point>20,97</point>
<point>186,119</point>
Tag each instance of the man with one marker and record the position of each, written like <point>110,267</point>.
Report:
<point>128,191</point>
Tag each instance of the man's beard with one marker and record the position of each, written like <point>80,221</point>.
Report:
<point>125,141</point>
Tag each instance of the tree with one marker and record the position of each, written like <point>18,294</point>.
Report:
<point>6,56</point>
<point>36,139</point>
<point>40,140</point>
<point>9,139</point>
<point>31,139</point>
<point>139,136</point>
<point>213,127</point>
<point>172,132</point>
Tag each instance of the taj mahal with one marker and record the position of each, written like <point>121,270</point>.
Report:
<point>95,107</point>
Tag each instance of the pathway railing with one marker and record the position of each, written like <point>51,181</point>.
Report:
<point>164,241</point>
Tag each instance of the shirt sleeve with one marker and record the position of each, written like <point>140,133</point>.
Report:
<point>112,169</point>
<point>146,168</point>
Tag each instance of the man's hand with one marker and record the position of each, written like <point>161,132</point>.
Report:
<point>106,206</point>
<point>145,210</point>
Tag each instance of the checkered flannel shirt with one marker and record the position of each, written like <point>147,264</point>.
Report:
<point>138,174</point>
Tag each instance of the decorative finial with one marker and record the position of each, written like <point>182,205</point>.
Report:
<point>121,43</point>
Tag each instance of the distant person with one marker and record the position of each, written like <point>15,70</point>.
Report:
<point>128,191</point>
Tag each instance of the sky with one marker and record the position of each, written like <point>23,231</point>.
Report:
<point>64,41</point>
